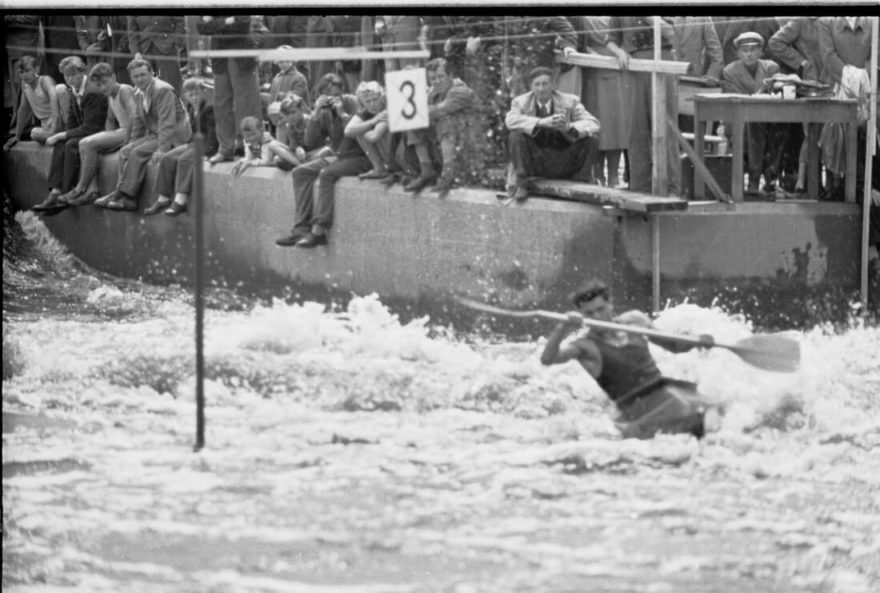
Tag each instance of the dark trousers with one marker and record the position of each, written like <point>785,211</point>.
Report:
<point>132,164</point>
<point>641,142</point>
<point>236,96</point>
<point>531,156</point>
<point>176,171</point>
<point>64,170</point>
<point>316,207</point>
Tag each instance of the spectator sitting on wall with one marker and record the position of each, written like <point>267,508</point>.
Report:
<point>160,123</point>
<point>86,115</point>
<point>314,209</point>
<point>415,159</point>
<point>454,113</point>
<point>746,76</point>
<point>295,117</point>
<point>177,166</point>
<point>261,149</point>
<point>37,98</point>
<point>120,113</point>
<point>551,134</point>
<point>370,129</point>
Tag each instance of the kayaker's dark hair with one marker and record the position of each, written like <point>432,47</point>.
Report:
<point>589,291</point>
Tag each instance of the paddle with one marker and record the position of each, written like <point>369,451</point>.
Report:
<point>765,351</point>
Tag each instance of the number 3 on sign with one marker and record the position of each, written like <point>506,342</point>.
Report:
<point>407,92</point>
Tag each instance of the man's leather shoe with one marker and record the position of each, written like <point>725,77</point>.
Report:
<point>87,198</point>
<point>291,239</point>
<point>312,240</point>
<point>157,207</point>
<point>420,183</point>
<point>50,203</point>
<point>442,188</point>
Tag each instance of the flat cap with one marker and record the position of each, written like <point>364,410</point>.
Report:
<point>748,38</point>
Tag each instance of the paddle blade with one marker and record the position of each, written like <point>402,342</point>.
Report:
<point>770,352</point>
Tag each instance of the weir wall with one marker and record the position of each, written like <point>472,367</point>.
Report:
<point>783,264</point>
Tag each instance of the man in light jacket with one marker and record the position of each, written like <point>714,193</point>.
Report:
<point>551,134</point>
<point>160,123</point>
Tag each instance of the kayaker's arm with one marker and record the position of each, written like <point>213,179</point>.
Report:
<point>553,353</point>
<point>583,350</point>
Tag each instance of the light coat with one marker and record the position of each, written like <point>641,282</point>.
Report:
<point>163,116</point>
<point>522,115</point>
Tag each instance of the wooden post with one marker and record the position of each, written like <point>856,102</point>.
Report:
<point>655,262</point>
<point>870,147</point>
<point>658,119</point>
<point>198,202</point>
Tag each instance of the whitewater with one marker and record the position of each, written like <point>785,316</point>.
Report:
<point>349,452</point>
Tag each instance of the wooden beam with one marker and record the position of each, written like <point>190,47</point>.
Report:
<point>606,196</point>
<point>319,54</point>
<point>699,166</point>
<point>635,65</point>
<point>659,158</point>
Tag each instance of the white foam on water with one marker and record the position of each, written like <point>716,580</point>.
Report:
<point>354,430</point>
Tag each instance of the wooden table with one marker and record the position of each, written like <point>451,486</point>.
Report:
<point>737,110</point>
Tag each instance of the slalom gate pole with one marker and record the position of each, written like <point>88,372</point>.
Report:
<point>870,147</point>
<point>198,201</point>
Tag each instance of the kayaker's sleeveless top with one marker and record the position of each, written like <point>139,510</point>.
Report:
<point>39,102</point>
<point>625,368</point>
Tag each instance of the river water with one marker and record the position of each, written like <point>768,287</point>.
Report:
<point>347,452</point>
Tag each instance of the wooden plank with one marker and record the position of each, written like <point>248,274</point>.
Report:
<point>635,65</point>
<point>699,166</point>
<point>659,182</point>
<point>606,196</point>
<point>306,54</point>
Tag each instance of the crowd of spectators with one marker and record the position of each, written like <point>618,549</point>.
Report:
<point>503,109</point>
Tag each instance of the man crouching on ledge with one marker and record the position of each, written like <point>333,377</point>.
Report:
<point>624,368</point>
<point>551,134</point>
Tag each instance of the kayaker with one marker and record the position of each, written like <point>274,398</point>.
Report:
<point>623,367</point>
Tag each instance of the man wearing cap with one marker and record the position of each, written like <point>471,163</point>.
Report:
<point>622,365</point>
<point>746,76</point>
<point>551,134</point>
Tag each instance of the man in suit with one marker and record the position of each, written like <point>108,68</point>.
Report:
<point>845,47</point>
<point>160,123</point>
<point>746,76</point>
<point>550,133</point>
<point>696,42</point>
<point>86,114</point>
<point>153,36</point>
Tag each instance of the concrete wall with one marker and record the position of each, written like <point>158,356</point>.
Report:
<point>417,251</point>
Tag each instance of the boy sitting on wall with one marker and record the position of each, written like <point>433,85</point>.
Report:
<point>453,109</point>
<point>261,149</point>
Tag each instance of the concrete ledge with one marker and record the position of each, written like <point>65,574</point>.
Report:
<point>417,252</point>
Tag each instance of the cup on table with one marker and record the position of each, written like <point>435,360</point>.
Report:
<point>788,91</point>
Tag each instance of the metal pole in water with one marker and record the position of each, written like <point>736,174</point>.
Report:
<point>198,218</point>
<point>870,147</point>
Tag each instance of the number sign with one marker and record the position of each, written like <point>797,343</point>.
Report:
<point>407,92</point>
